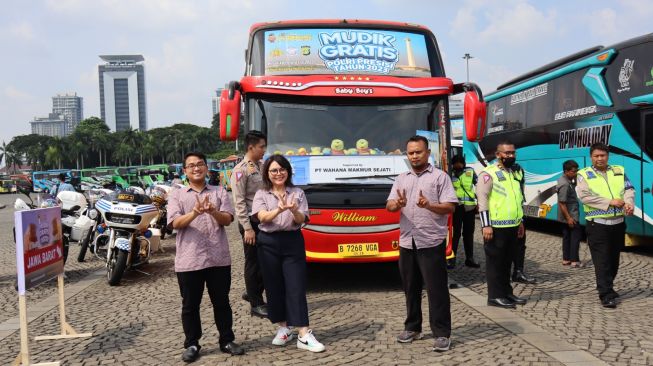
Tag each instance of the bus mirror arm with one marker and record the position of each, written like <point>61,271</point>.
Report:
<point>233,86</point>
<point>467,87</point>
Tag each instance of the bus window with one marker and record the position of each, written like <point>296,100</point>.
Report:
<point>569,95</point>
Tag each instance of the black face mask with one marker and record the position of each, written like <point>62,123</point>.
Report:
<point>508,162</point>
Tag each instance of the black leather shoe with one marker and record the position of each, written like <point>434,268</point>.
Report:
<point>522,277</point>
<point>261,311</point>
<point>516,299</point>
<point>232,349</point>
<point>191,354</point>
<point>472,264</point>
<point>501,302</point>
<point>245,296</point>
<point>609,303</point>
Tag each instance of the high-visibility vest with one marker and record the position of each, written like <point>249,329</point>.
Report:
<point>505,199</point>
<point>610,188</point>
<point>464,186</point>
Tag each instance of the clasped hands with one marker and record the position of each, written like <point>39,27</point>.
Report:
<point>619,203</point>
<point>422,201</point>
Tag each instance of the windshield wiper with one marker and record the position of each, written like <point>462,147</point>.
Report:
<point>389,176</point>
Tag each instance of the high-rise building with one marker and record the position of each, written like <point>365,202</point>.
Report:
<point>215,102</point>
<point>122,92</point>
<point>53,125</point>
<point>71,107</point>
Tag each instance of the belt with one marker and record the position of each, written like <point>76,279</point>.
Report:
<point>601,221</point>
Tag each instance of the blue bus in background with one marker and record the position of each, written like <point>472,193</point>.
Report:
<point>43,181</point>
<point>554,113</point>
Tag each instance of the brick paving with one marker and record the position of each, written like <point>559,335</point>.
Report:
<point>356,310</point>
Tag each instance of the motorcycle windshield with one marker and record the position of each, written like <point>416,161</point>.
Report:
<point>129,197</point>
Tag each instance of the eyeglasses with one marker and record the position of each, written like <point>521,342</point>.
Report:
<point>193,166</point>
<point>277,171</point>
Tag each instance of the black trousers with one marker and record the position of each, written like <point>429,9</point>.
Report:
<point>606,243</point>
<point>191,286</point>
<point>283,262</point>
<point>419,267</point>
<point>464,221</point>
<point>498,257</point>
<point>519,254</point>
<point>253,276</point>
<point>571,242</point>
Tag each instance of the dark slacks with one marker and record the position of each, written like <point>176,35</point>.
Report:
<point>498,257</point>
<point>191,286</point>
<point>419,267</point>
<point>519,254</point>
<point>606,243</point>
<point>571,242</point>
<point>464,221</point>
<point>253,276</point>
<point>282,258</point>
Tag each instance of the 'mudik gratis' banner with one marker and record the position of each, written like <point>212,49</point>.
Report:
<point>39,246</point>
<point>342,51</point>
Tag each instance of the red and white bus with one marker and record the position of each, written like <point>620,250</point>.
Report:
<point>340,98</point>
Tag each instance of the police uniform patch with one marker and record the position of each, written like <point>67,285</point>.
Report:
<point>468,173</point>
<point>250,167</point>
<point>486,178</point>
<point>590,175</point>
<point>501,176</point>
<point>617,171</point>
<point>238,176</point>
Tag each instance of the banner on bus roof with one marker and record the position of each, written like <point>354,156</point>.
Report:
<point>342,51</point>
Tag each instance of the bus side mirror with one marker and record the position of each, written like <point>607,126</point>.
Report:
<point>474,116</point>
<point>230,112</point>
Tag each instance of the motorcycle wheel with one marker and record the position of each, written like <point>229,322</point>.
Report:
<point>116,268</point>
<point>84,248</point>
<point>66,244</point>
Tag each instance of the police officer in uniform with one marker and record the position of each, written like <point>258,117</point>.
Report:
<point>246,179</point>
<point>500,209</point>
<point>463,179</point>
<point>519,255</point>
<point>607,196</point>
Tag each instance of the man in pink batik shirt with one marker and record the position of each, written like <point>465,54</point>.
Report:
<point>199,213</point>
<point>425,196</point>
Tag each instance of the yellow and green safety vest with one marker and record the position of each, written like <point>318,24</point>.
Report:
<point>505,200</point>
<point>610,188</point>
<point>464,186</point>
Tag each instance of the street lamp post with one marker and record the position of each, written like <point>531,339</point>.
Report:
<point>467,57</point>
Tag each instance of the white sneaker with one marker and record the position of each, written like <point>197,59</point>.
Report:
<point>284,335</point>
<point>308,342</point>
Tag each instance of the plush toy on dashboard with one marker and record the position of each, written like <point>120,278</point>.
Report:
<point>326,151</point>
<point>351,151</point>
<point>362,146</point>
<point>302,151</point>
<point>337,147</point>
<point>290,153</point>
<point>316,150</point>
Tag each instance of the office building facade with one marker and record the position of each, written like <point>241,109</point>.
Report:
<point>122,92</point>
<point>71,107</point>
<point>53,125</point>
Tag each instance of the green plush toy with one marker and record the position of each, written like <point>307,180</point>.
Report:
<point>362,146</point>
<point>316,150</point>
<point>337,147</point>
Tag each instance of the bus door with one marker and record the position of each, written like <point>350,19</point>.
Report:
<point>647,173</point>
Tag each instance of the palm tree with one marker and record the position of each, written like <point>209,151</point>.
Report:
<point>148,146</point>
<point>52,156</point>
<point>3,152</point>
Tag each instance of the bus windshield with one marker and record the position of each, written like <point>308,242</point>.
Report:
<point>328,129</point>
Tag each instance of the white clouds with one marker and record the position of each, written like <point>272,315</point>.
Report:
<point>21,31</point>
<point>14,93</point>
<point>602,24</point>
<point>503,22</point>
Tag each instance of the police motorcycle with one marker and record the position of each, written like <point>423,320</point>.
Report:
<point>159,195</point>
<point>127,216</point>
<point>88,235</point>
<point>76,216</point>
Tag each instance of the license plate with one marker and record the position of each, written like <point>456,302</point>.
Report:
<point>358,249</point>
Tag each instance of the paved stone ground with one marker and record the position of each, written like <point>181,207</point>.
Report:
<point>355,310</point>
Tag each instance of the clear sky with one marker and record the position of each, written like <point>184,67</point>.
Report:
<point>193,47</point>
